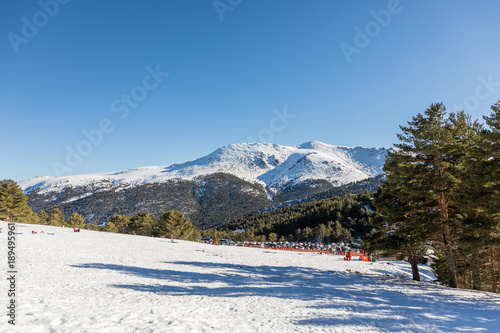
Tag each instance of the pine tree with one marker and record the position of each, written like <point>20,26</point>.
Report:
<point>121,222</point>
<point>441,188</point>
<point>174,223</point>
<point>33,218</point>
<point>321,232</point>
<point>76,220</point>
<point>216,238</point>
<point>13,202</point>
<point>56,218</point>
<point>307,234</point>
<point>110,227</point>
<point>492,148</point>
<point>399,211</point>
<point>43,217</point>
<point>422,177</point>
<point>143,224</point>
<point>261,238</point>
<point>469,196</point>
<point>492,183</point>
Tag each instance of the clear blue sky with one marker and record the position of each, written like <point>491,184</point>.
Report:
<point>70,69</point>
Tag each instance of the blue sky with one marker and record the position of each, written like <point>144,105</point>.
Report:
<point>238,71</point>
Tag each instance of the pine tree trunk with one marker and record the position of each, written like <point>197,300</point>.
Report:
<point>494,280</point>
<point>450,257</point>
<point>414,267</point>
<point>451,261</point>
<point>476,274</point>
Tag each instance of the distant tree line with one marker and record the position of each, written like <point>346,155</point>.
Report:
<point>171,223</point>
<point>13,207</point>
<point>441,193</point>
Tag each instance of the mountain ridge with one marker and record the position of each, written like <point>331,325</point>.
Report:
<point>270,165</point>
<point>229,182</point>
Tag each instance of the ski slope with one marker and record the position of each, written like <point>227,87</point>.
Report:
<point>101,282</point>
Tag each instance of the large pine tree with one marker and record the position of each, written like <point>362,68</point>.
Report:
<point>174,223</point>
<point>468,197</point>
<point>492,183</point>
<point>143,224</point>
<point>13,202</point>
<point>43,217</point>
<point>56,218</point>
<point>401,208</point>
<point>442,188</point>
<point>422,177</point>
<point>492,147</point>
<point>76,220</point>
<point>121,222</point>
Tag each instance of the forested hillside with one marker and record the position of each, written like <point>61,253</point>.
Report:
<point>328,220</point>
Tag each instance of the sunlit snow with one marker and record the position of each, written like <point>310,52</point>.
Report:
<point>102,282</point>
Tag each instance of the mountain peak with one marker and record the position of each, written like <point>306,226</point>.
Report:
<point>312,145</point>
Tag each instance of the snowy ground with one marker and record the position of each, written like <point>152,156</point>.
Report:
<point>100,282</point>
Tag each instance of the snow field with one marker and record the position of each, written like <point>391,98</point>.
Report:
<point>101,282</point>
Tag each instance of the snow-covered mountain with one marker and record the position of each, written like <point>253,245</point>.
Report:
<point>270,165</point>
<point>231,181</point>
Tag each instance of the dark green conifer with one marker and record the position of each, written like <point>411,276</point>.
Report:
<point>56,218</point>
<point>174,223</point>
<point>13,202</point>
<point>122,223</point>
<point>43,217</point>
<point>76,220</point>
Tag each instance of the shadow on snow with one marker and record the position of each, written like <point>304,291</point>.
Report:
<point>375,300</point>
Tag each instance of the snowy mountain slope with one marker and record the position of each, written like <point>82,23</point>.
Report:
<point>228,183</point>
<point>270,165</point>
<point>102,282</point>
